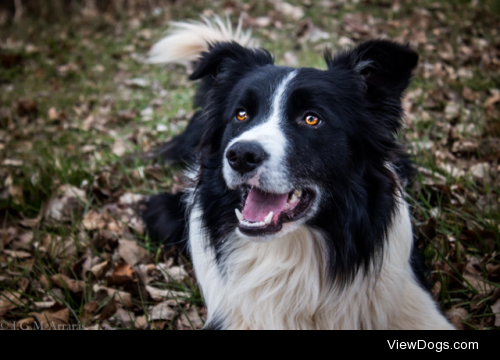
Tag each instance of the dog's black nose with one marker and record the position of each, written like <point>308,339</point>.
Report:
<point>245,157</point>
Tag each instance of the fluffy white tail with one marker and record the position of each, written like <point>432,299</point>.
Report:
<point>187,40</point>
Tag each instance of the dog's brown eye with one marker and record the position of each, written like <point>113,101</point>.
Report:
<point>241,115</point>
<point>312,120</point>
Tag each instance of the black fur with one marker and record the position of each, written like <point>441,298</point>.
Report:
<point>214,325</point>
<point>181,149</point>
<point>165,220</point>
<point>359,99</point>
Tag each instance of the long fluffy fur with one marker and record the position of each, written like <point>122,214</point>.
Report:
<point>186,41</point>
<point>351,266</point>
<point>281,285</point>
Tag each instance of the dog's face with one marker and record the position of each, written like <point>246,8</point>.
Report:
<point>283,145</point>
<point>291,141</point>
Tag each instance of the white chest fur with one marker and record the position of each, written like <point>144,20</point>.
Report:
<point>282,284</point>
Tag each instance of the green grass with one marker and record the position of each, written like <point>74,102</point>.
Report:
<point>63,151</point>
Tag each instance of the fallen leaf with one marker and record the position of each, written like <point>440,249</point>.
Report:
<point>122,274</point>
<point>88,123</point>
<point>469,94</point>
<point>146,34</point>
<point>478,284</point>
<point>151,268</point>
<point>23,284</point>
<point>478,302</point>
<point>59,248</point>
<point>12,162</point>
<point>17,254</point>
<point>53,114</point>
<point>98,270</point>
<point>345,42</point>
<point>496,310</point>
<point>162,295</point>
<point>137,83</point>
<point>44,305</point>
<point>137,224</point>
<point>121,297</point>
<point>147,114</point>
<point>192,320</point>
<point>131,199</point>
<point>457,316</point>
<point>291,59</point>
<point>66,204</point>
<point>262,22</point>
<point>65,282</point>
<point>452,170</point>
<point>52,320</point>
<point>30,223</point>
<point>141,322</point>
<point>89,311</point>
<point>175,273</point>
<point>143,274</point>
<point>493,99</point>
<point>436,289</point>
<point>133,254</point>
<point>309,32</point>
<point>125,318</point>
<point>109,310</point>
<point>464,147</point>
<point>161,312</point>
<point>17,239</point>
<point>452,111</point>
<point>9,301</point>
<point>98,69</point>
<point>467,130</point>
<point>93,220</point>
<point>158,325</point>
<point>16,191</point>
<point>295,12</point>
<point>473,266</point>
<point>121,147</point>
<point>481,172</point>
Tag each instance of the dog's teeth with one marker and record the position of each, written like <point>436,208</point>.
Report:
<point>239,215</point>
<point>287,206</point>
<point>269,218</point>
<point>293,199</point>
<point>298,193</point>
<point>253,225</point>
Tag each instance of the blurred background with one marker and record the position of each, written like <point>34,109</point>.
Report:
<point>80,106</point>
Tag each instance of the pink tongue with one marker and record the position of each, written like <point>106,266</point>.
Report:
<point>259,204</point>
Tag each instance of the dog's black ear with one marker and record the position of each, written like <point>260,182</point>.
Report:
<point>383,64</point>
<point>232,56</point>
<point>386,68</point>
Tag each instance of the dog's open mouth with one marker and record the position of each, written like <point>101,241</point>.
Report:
<point>265,213</point>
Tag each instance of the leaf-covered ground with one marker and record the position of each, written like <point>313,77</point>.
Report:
<point>76,98</point>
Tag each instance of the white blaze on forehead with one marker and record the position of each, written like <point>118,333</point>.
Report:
<point>271,137</point>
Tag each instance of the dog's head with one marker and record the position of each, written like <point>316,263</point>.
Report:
<point>295,143</point>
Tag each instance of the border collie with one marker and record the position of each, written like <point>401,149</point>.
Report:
<point>296,215</point>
